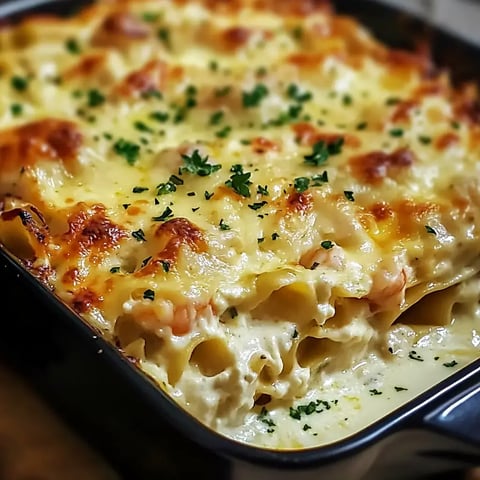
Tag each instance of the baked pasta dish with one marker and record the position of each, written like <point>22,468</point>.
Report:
<point>271,213</point>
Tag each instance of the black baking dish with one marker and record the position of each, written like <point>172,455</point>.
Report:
<point>145,435</point>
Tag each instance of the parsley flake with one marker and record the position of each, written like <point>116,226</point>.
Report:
<point>322,151</point>
<point>327,244</point>
<point>167,213</point>
<point>223,226</point>
<point>451,364</point>
<point>349,195</point>
<point>127,149</point>
<point>19,83</point>
<point>257,205</point>
<point>255,96</point>
<point>197,165</point>
<point>301,184</point>
<point>240,181</point>
<point>149,294</point>
<point>139,235</point>
<point>95,98</point>
<point>72,46</point>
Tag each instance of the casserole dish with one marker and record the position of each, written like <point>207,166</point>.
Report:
<point>122,412</point>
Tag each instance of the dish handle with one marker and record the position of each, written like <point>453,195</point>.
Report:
<point>458,417</point>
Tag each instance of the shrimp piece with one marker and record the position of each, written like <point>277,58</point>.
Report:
<point>155,315</point>
<point>333,257</point>
<point>388,289</point>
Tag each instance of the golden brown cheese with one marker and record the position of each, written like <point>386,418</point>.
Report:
<point>238,194</point>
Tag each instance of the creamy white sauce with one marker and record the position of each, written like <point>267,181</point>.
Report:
<point>347,401</point>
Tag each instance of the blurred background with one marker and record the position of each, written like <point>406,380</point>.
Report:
<point>458,16</point>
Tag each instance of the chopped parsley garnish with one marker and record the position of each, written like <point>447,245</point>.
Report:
<point>322,151</point>
<point>392,101</point>
<point>396,132</point>
<point>414,356</point>
<point>362,125</point>
<point>233,312</point>
<point>208,195</point>
<point>175,180</point>
<point>374,391</point>
<point>306,427</point>
<point>139,235</point>
<point>314,266</point>
<point>150,17</point>
<point>327,244</point>
<point>223,226</point>
<point>95,98</point>
<point>240,181</point>
<point>167,213</point>
<point>260,240</point>
<point>19,83</point>
<point>347,100</point>
<point>295,333</point>
<point>127,149</point>
<point>114,269</point>
<point>163,34</point>
<point>16,109</point>
<point>275,235</point>
<point>424,139</point>
<point>139,189</point>
<point>301,184</point>
<point>264,417</point>
<point>257,205</point>
<point>286,117</point>
<point>430,229</point>
<point>161,117</point>
<point>400,389</point>
<point>149,294</point>
<point>451,364</point>
<point>262,190</point>
<point>72,46</point>
<point>165,265</point>
<point>255,96</point>
<point>319,179</point>
<point>293,92</point>
<point>166,188</point>
<point>349,195</point>
<point>145,261</point>
<point>197,165</point>
<point>216,117</point>
<point>309,408</point>
<point>224,132</point>
<point>142,127</point>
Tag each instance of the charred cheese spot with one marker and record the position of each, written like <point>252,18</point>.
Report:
<point>119,29</point>
<point>91,232</point>
<point>170,237</point>
<point>263,145</point>
<point>447,140</point>
<point>403,111</point>
<point>308,134</point>
<point>84,300</point>
<point>51,139</point>
<point>374,167</point>
<point>299,203</point>
<point>150,78</point>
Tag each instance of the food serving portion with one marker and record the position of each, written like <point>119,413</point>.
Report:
<point>271,213</point>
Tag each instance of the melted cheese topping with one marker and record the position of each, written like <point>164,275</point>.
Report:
<point>273,214</point>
